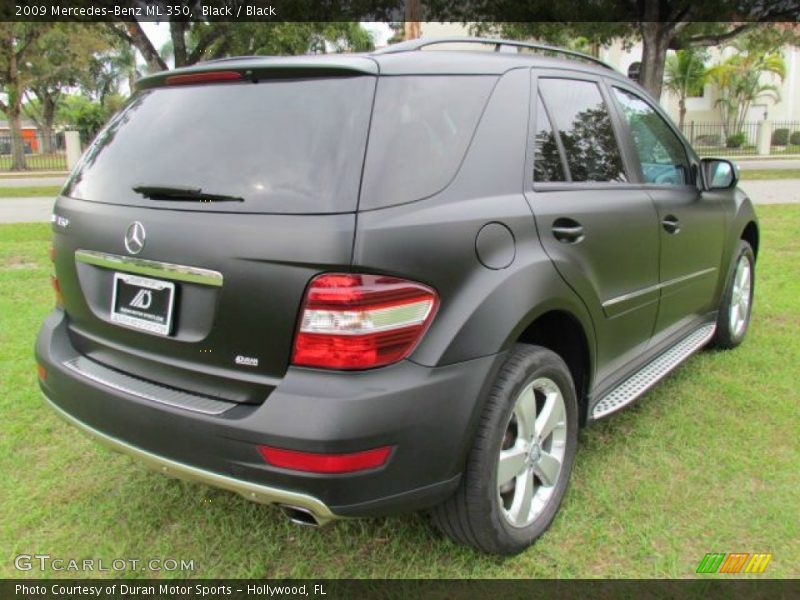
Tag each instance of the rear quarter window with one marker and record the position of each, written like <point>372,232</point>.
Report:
<point>421,129</point>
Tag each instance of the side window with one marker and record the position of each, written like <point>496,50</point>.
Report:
<point>661,153</point>
<point>581,117</point>
<point>547,164</point>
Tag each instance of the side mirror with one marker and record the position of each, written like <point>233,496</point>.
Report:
<point>719,174</point>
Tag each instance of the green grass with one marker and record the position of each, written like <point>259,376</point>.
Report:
<point>769,173</point>
<point>706,462</point>
<point>29,191</point>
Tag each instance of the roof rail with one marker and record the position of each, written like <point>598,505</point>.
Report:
<point>418,44</point>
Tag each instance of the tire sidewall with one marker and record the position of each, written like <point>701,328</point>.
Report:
<point>727,338</point>
<point>538,363</point>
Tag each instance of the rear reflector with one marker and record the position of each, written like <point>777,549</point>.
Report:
<point>355,321</point>
<point>41,372</point>
<point>210,77</point>
<point>313,462</point>
<point>57,290</point>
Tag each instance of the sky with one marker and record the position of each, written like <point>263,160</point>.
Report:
<point>159,32</point>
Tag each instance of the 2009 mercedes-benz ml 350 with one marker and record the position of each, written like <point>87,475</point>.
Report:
<point>355,285</point>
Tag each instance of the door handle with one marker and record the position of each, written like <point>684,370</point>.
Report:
<point>671,224</point>
<point>568,231</point>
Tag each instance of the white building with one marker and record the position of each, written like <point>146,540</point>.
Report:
<point>700,109</point>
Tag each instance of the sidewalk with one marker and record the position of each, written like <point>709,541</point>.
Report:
<point>25,210</point>
<point>772,191</point>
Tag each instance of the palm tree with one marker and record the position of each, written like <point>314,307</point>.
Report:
<point>685,75</point>
<point>739,79</point>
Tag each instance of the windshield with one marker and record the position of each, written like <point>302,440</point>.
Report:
<point>282,146</point>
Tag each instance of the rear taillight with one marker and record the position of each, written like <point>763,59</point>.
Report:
<point>354,321</point>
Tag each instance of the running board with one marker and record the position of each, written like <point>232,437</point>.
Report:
<point>653,372</point>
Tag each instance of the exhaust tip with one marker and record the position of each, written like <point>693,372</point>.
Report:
<point>300,516</point>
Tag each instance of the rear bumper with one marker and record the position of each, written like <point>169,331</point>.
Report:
<point>428,415</point>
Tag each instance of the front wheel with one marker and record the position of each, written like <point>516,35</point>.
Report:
<point>519,466</point>
<point>737,301</point>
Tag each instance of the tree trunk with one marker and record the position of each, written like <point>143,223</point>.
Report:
<point>17,146</point>
<point>48,117</point>
<point>655,42</point>
<point>177,30</point>
<point>681,113</point>
<point>133,34</point>
<point>15,115</point>
<point>412,20</point>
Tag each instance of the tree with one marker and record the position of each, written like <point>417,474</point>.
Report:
<point>685,75</point>
<point>61,57</point>
<point>739,79</point>
<point>198,40</point>
<point>660,25</point>
<point>261,38</point>
<point>109,69</point>
<point>16,45</point>
<point>88,116</point>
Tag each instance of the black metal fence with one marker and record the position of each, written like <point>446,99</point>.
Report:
<point>717,139</point>
<point>785,137</point>
<point>38,151</point>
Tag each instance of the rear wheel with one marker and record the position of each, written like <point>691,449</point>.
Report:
<point>519,466</point>
<point>737,301</point>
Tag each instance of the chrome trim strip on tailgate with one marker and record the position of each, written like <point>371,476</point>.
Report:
<point>146,390</point>
<point>141,266</point>
<point>255,492</point>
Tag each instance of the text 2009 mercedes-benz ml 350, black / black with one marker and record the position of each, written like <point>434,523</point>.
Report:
<point>364,284</point>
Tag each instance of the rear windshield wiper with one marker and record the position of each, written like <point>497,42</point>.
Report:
<point>182,194</point>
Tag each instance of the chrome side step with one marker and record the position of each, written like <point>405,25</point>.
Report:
<point>646,377</point>
<point>145,389</point>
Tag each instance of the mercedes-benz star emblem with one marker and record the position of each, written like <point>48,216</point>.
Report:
<point>134,238</point>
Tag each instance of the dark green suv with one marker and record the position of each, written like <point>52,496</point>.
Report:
<point>360,284</point>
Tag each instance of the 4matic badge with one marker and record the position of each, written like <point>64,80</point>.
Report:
<point>247,361</point>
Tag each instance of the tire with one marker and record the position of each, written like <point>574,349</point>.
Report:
<point>737,303</point>
<point>492,518</point>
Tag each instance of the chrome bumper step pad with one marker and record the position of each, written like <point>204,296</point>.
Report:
<point>145,389</point>
<point>645,378</point>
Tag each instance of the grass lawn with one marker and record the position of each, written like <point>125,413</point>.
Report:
<point>709,461</point>
<point>29,191</point>
<point>769,173</point>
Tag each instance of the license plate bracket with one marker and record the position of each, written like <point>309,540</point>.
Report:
<point>143,303</point>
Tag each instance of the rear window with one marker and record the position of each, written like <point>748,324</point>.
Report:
<point>283,146</point>
<point>421,128</point>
